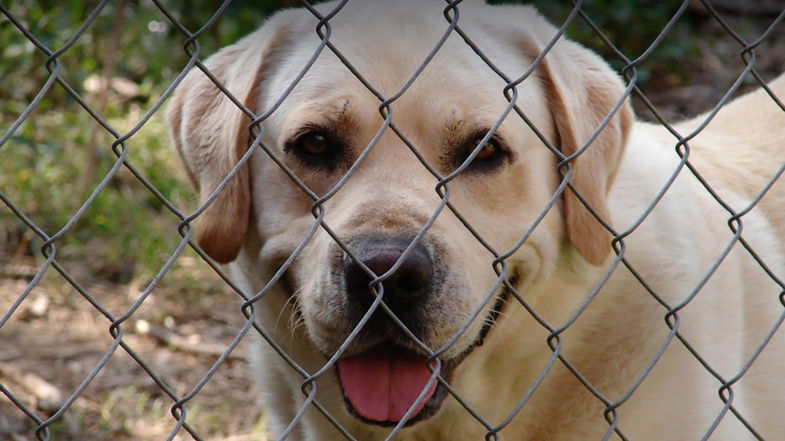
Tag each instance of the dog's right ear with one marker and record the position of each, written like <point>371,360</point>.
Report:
<point>581,90</point>
<point>211,134</point>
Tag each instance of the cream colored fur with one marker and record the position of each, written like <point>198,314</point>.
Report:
<point>263,216</point>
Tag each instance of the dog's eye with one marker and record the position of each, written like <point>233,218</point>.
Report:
<point>490,151</point>
<point>492,156</point>
<point>314,144</point>
<point>316,148</point>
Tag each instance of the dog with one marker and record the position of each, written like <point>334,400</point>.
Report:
<point>434,263</point>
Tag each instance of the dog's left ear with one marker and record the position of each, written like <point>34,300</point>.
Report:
<point>581,90</point>
<point>211,134</point>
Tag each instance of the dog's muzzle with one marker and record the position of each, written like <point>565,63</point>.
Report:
<point>385,375</point>
<point>381,384</point>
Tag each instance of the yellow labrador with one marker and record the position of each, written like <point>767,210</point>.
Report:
<point>569,343</point>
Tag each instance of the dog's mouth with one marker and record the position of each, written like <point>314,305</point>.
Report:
<point>382,384</point>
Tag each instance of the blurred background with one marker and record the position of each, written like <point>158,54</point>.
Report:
<point>120,66</point>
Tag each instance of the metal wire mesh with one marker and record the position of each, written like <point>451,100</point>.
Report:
<point>500,261</point>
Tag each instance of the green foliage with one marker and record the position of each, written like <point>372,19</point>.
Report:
<point>632,27</point>
<point>150,48</point>
<point>52,163</point>
<point>125,226</point>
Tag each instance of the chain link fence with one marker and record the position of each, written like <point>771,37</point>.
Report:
<point>182,418</point>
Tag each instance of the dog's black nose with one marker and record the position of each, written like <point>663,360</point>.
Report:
<point>404,288</point>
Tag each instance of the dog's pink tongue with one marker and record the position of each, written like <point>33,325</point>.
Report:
<point>382,387</point>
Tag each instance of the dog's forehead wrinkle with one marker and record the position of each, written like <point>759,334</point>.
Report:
<point>453,122</point>
<point>346,114</point>
<point>341,110</point>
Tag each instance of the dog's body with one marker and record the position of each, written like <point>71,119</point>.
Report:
<point>494,359</point>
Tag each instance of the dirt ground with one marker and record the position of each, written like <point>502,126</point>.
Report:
<point>56,337</point>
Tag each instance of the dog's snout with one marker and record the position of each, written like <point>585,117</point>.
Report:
<point>409,284</point>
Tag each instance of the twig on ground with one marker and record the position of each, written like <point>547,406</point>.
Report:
<point>48,397</point>
<point>194,343</point>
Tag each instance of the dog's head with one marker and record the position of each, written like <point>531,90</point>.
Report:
<point>377,185</point>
